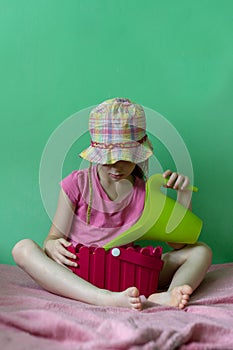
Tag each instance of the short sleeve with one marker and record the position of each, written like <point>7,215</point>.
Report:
<point>70,186</point>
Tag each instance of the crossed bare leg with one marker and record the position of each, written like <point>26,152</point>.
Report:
<point>183,271</point>
<point>59,280</point>
<point>187,270</point>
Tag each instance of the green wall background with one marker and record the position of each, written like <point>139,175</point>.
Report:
<point>58,57</point>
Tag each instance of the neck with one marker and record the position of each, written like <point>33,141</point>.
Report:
<point>115,190</point>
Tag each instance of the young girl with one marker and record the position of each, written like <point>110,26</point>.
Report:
<point>97,204</point>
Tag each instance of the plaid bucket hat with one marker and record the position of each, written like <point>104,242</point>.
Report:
<point>118,132</point>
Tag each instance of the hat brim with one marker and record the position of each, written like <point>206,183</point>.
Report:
<point>135,155</point>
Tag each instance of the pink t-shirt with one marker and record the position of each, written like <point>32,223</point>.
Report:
<point>108,218</point>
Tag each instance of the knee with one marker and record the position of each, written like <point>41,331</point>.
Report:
<point>203,251</point>
<point>22,250</point>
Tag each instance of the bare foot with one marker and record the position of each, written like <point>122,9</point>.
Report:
<point>129,298</point>
<point>178,297</point>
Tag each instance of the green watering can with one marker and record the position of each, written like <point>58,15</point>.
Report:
<point>163,219</point>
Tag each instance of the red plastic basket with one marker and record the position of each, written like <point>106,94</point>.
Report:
<point>119,268</point>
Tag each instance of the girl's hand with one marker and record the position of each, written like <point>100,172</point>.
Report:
<point>179,182</point>
<point>56,249</point>
<point>176,181</point>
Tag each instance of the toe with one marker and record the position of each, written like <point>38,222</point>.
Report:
<point>137,306</point>
<point>183,303</point>
<point>186,290</point>
<point>181,306</point>
<point>135,300</point>
<point>135,292</point>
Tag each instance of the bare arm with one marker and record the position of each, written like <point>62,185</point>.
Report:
<point>56,242</point>
<point>179,182</point>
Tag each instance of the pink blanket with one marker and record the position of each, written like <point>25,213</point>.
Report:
<point>31,318</point>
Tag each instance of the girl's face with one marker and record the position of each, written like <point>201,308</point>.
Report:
<point>117,171</point>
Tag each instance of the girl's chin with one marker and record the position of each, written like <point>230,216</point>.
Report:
<point>116,177</point>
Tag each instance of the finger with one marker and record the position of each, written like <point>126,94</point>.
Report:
<point>64,261</point>
<point>167,173</point>
<point>60,263</point>
<point>182,183</point>
<point>69,254</point>
<point>179,182</point>
<point>185,183</point>
<point>61,246</point>
<point>64,252</point>
<point>172,180</point>
<point>64,242</point>
<point>68,262</point>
